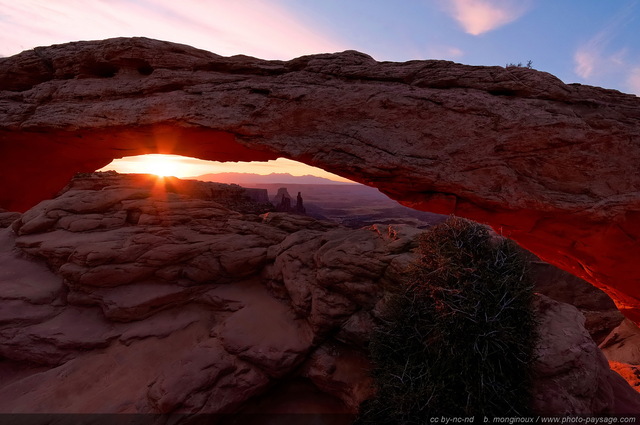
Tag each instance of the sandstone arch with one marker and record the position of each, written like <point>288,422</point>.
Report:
<point>551,165</point>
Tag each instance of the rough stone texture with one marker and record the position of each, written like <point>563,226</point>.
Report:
<point>572,376</point>
<point>339,369</point>
<point>7,217</point>
<point>144,268</point>
<point>630,373</point>
<point>193,304</point>
<point>551,165</point>
<point>600,312</point>
<point>623,344</point>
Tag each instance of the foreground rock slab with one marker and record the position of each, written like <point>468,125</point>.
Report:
<point>572,376</point>
<point>133,294</point>
<point>180,299</point>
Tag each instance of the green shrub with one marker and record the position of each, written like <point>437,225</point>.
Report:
<point>458,338</point>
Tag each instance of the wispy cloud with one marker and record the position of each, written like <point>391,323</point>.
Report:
<point>480,16</point>
<point>250,27</point>
<point>592,57</point>
<point>633,81</point>
<point>596,58</point>
<point>585,61</point>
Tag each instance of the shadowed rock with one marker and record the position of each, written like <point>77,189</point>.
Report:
<point>197,306</point>
<point>586,387</point>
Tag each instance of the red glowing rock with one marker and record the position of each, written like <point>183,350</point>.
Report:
<point>550,165</point>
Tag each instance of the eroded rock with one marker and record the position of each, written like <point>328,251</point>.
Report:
<point>551,165</point>
<point>195,304</point>
<point>623,344</point>
<point>191,269</point>
<point>572,376</point>
<point>599,310</point>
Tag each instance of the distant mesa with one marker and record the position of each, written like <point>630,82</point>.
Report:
<point>284,203</point>
<point>273,178</point>
<point>260,196</point>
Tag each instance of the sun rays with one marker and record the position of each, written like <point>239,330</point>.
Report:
<point>186,167</point>
<point>161,165</point>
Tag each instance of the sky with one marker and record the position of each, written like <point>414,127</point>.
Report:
<point>179,166</point>
<point>595,42</point>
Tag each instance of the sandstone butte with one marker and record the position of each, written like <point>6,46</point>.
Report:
<point>553,166</point>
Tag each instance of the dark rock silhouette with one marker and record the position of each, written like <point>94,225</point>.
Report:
<point>280,195</point>
<point>283,200</point>
<point>299,208</point>
<point>284,205</point>
<point>260,196</point>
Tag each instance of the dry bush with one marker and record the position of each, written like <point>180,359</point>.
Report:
<point>458,338</point>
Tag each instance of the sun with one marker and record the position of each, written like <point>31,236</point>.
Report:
<point>160,165</point>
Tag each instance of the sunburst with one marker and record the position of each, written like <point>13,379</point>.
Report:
<point>160,165</point>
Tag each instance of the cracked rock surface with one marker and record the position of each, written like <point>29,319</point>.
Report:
<point>129,294</point>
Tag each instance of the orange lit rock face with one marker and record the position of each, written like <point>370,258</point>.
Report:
<point>551,165</point>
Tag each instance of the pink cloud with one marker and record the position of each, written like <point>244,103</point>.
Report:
<point>251,27</point>
<point>594,57</point>
<point>590,59</point>
<point>633,81</point>
<point>480,16</point>
<point>585,59</point>
<point>593,63</point>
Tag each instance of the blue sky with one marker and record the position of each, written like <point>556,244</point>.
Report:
<point>593,42</point>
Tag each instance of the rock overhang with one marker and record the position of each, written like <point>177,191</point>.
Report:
<point>552,166</point>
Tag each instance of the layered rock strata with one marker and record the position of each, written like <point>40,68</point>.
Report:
<point>551,165</point>
<point>196,303</point>
<point>177,302</point>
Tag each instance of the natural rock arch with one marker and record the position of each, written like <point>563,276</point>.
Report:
<point>552,166</point>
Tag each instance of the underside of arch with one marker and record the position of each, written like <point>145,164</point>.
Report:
<point>550,165</point>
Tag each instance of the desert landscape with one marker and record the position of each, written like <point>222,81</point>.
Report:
<point>189,299</point>
<point>352,205</point>
<point>449,243</point>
